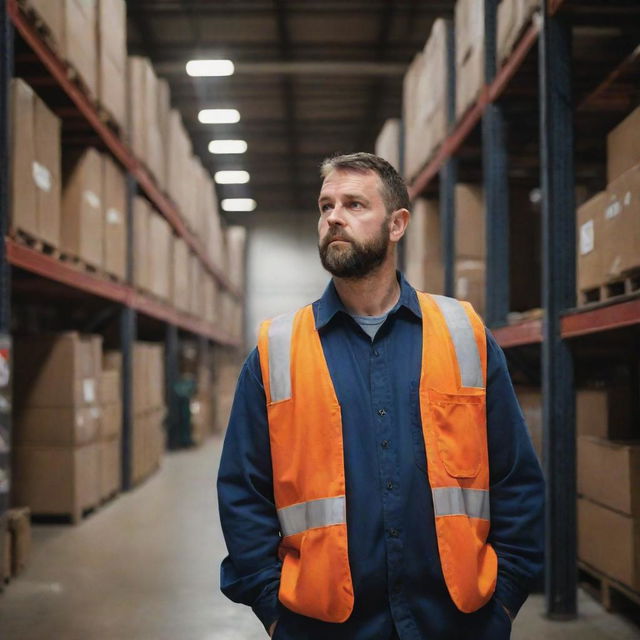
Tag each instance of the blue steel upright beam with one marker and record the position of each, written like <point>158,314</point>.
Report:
<point>558,293</point>
<point>449,175</point>
<point>496,186</point>
<point>6,71</point>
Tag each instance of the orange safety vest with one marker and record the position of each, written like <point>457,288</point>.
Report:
<point>305,431</point>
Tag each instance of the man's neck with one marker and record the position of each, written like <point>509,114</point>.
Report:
<point>372,295</point>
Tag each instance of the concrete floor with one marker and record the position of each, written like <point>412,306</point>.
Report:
<point>146,568</point>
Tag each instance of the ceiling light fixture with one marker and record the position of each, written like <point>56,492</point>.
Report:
<point>238,204</point>
<point>219,116</point>
<point>231,177</point>
<point>227,146</point>
<point>197,68</point>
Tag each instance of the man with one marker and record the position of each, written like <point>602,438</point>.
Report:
<point>377,479</point>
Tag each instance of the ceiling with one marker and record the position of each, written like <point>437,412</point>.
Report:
<point>313,77</point>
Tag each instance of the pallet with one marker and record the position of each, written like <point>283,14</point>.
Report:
<point>613,595</point>
<point>64,518</point>
<point>27,239</point>
<point>625,285</point>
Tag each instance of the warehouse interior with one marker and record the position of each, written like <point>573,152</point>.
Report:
<point>159,175</point>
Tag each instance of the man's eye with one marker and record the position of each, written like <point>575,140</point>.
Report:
<point>325,207</point>
<point>356,205</point>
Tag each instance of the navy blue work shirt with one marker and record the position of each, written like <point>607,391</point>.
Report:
<point>398,582</point>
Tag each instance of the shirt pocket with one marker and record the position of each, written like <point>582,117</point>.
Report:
<point>459,420</point>
<point>419,450</point>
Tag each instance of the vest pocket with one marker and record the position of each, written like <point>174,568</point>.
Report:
<point>459,421</point>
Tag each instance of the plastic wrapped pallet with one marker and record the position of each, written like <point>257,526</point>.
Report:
<point>114,190</point>
<point>388,142</point>
<point>469,33</point>
<point>82,230</point>
<point>35,165</point>
<point>112,58</point>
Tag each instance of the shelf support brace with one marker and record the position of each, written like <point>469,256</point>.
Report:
<point>128,324</point>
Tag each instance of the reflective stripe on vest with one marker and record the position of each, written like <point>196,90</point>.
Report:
<point>280,357</point>
<point>455,501</point>
<point>463,339</point>
<point>324,512</point>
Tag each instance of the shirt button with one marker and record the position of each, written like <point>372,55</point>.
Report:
<point>384,444</point>
<point>376,353</point>
<point>382,412</point>
<point>389,485</point>
<point>394,533</point>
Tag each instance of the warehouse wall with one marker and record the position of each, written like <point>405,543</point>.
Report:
<point>283,267</point>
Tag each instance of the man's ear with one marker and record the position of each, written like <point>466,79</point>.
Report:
<point>398,224</point>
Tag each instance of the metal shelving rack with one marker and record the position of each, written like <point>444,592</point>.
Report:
<point>562,322</point>
<point>48,271</point>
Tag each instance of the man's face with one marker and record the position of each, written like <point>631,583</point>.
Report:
<point>353,229</point>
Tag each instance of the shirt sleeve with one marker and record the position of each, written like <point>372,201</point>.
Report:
<point>517,487</point>
<point>250,574</point>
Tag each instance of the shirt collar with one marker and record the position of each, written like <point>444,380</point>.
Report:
<point>330,304</point>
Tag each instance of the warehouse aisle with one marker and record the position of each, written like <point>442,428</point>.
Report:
<point>146,568</point>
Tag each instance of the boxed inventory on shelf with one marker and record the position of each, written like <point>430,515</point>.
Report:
<point>114,190</point>
<point>604,413</point>
<point>19,525</point>
<point>82,206</point>
<point>590,254</point>
<point>512,17</point>
<point>35,165</point>
<point>623,146</point>
<point>609,541</point>
<point>423,256</point>
<point>470,222</point>
<point>160,256</point>
<point>180,277</point>
<point>469,34</point>
<point>470,277</point>
<point>236,238</point>
<point>388,142</point>
<point>112,58</point>
<point>141,247</point>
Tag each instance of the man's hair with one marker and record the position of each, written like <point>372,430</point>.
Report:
<point>394,190</point>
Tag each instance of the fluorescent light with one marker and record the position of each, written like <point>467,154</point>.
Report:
<point>210,68</point>
<point>227,146</point>
<point>238,204</point>
<point>219,116</point>
<point>231,177</point>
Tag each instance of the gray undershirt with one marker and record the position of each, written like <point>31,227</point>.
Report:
<point>371,324</point>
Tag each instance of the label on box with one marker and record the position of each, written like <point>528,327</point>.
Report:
<point>627,199</point>
<point>586,238</point>
<point>89,390</point>
<point>41,176</point>
<point>614,209</point>
<point>92,199</point>
<point>462,288</point>
<point>113,216</point>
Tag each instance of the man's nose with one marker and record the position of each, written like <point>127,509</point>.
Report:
<point>336,216</point>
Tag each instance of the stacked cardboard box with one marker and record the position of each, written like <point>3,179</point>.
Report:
<point>236,239</point>
<point>141,243</point>
<point>227,364</point>
<point>19,527</point>
<point>423,255</point>
<point>110,432</point>
<point>513,16</point>
<point>469,30</point>
<point>210,294</point>
<point>470,245</point>
<point>388,142</point>
<point>73,25</point>
<point>160,256</point>
<point>425,101</point>
<point>114,191</point>
<point>35,165</point>
<point>112,58</point>
<point>196,293</point>
<point>180,290</point>
<point>203,405</point>
<point>148,409</point>
<point>56,423</point>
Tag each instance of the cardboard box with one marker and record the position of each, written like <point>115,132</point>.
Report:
<point>623,146</point>
<point>236,239</point>
<point>112,58</point>
<point>56,480</point>
<point>621,227</point>
<point>469,34</point>
<point>35,168</point>
<point>530,401</point>
<point>388,142</point>
<point>470,283</point>
<point>141,260</point>
<point>57,370</point>
<point>83,207</point>
<point>470,222</point>
<point>196,299</point>
<point>109,386</point>
<point>52,14</point>
<point>148,377</point>
<point>20,530</point>
<point>609,473</point>
<point>513,17</point>
<point>589,227</point>
<point>79,45</point>
<point>155,375</point>
<point>180,280</point>
<point>423,262</point>
<point>610,542</point>
<point>56,426</point>
<point>110,467</point>
<point>604,413</point>
<point>210,289</point>
<point>110,424</point>
<point>160,256</point>
<point>115,218</point>
<point>137,125</point>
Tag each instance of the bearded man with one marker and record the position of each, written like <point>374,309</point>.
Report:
<point>377,479</point>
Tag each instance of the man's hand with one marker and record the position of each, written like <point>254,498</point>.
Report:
<point>272,628</point>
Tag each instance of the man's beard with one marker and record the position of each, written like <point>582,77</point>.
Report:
<point>355,259</point>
